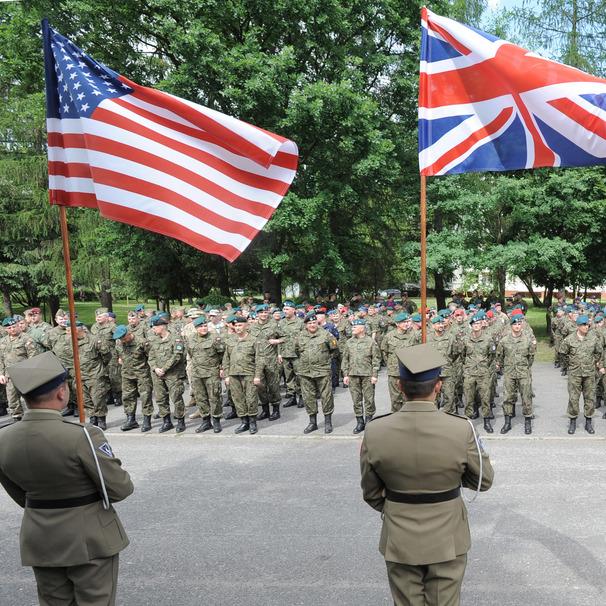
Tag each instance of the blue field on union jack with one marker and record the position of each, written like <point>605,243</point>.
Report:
<point>488,105</point>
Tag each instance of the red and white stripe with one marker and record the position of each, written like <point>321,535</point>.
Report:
<point>173,167</point>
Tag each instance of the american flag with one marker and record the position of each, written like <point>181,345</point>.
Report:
<point>150,159</point>
<point>486,104</point>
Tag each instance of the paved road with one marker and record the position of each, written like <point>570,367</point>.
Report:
<point>276,519</point>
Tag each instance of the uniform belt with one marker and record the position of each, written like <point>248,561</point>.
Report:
<point>62,503</point>
<point>420,499</point>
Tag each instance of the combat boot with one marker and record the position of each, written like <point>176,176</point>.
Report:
<point>231,414</point>
<point>513,412</point>
<point>292,401</point>
<point>368,419</point>
<point>589,425</point>
<point>217,425</point>
<point>146,423</point>
<point>118,399</point>
<point>487,426</point>
<point>507,426</point>
<point>205,425</point>
<point>264,414</point>
<point>244,425</point>
<point>131,422</point>
<point>93,420</point>
<point>275,415</point>
<point>598,402</point>
<point>313,424</point>
<point>301,404</point>
<point>253,425</point>
<point>527,425</point>
<point>101,424</point>
<point>4,410</point>
<point>68,411</point>
<point>572,426</point>
<point>180,425</point>
<point>556,365</point>
<point>360,425</point>
<point>167,424</point>
<point>564,372</point>
<point>327,423</point>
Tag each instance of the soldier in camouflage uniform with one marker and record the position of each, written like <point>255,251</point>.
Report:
<point>461,328</point>
<point>315,348</point>
<point>166,358</point>
<point>449,344</point>
<point>478,352</point>
<point>56,340</point>
<point>103,328</point>
<point>241,369</point>
<point>582,352</point>
<point>188,331</point>
<point>291,326</point>
<point>137,326</point>
<point>556,324</point>
<point>131,349</point>
<point>403,336</point>
<point>515,355</point>
<point>343,324</point>
<point>92,351</point>
<point>15,347</point>
<point>360,365</point>
<point>269,335</point>
<point>36,327</point>
<point>567,327</point>
<point>205,350</point>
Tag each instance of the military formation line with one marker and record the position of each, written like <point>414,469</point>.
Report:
<point>237,359</point>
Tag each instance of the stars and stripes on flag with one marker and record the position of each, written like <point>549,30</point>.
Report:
<point>150,159</point>
<point>488,105</point>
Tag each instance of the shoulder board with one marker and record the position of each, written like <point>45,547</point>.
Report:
<point>456,416</point>
<point>74,423</point>
<point>388,414</point>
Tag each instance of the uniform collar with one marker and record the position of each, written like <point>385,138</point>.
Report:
<point>419,406</point>
<point>42,414</point>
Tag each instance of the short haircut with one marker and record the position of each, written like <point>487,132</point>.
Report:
<point>43,397</point>
<point>416,390</point>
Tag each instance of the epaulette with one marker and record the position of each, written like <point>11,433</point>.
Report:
<point>457,416</point>
<point>381,416</point>
<point>76,423</point>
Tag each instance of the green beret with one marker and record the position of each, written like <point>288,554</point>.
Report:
<point>309,318</point>
<point>416,317</point>
<point>9,321</point>
<point>401,317</point>
<point>201,321</point>
<point>78,324</point>
<point>120,332</point>
<point>437,319</point>
<point>158,320</point>
<point>262,307</point>
<point>359,322</point>
<point>288,304</point>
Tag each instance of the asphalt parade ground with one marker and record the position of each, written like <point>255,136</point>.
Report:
<point>277,519</point>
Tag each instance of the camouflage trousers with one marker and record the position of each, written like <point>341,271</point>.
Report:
<point>311,388</point>
<point>3,399</point>
<point>395,393</point>
<point>362,393</point>
<point>269,390</point>
<point>477,386</point>
<point>115,375</point>
<point>244,395</point>
<point>167,389</point>
<point>577,386</point>
<point>15,403</point>
<point>447,394</point>
<point>557,341</point>
<point>95,392</point>
<point>188,371</point>
<point>140,387</point>
<point>207,392</point>
<point>293,386</point>
<point>512,387</point>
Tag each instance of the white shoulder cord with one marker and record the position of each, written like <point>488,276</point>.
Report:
<point>475,437</point>
<point>104,496</point>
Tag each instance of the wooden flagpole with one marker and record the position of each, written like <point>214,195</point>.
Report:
<point>423,212</point>
<point>72,312</point>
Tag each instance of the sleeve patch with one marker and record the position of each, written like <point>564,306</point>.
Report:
<point>106,449</point>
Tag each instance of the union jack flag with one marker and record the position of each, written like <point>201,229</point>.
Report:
<point>486,104</point>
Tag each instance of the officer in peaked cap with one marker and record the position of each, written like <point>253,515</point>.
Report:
<point>70,533</point>
<point>413,464</point>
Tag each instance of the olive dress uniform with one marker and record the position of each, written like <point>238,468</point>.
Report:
<point>413,463</point>
<point>67,536</point>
